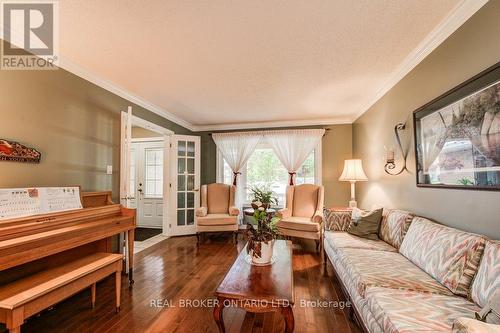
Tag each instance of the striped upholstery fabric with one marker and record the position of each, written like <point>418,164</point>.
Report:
<point>449,255</point>
<point>341,239</point>
<point>468,325</point>
<point>367,317</point>
<point>415,289</point>
<point>368,268</point>
<point>487,279</point>
<point>337,219</point>
<point>394,226</point>
<point>400,311</point>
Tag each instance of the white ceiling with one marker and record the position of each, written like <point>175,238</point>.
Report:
<point>241,64</point>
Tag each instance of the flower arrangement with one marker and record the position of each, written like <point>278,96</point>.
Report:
<point>261,234</point>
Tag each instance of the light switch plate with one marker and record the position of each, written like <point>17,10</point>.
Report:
<point>109,169</point>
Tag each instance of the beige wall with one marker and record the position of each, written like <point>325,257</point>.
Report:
<point>139,132</point>
<point>337,147</point>
<point>471,49</point>
<point>73,123</point>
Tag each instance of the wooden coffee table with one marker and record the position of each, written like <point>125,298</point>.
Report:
<point>259,288</point>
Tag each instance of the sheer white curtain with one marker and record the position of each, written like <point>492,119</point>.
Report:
<point>293,146</point>
<point>236,148</point>
<point>432,144</point>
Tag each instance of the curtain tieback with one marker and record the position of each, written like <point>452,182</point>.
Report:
<point>235,175</point>
<point>291,177</point>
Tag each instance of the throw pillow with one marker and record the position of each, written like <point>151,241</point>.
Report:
<point>337,219</point>
<point>366,225</point>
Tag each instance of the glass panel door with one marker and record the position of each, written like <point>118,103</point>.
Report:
<point>186,183</point>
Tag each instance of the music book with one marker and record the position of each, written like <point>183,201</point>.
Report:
<point>19,202</point>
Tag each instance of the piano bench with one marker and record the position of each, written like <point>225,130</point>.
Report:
<point>28,296</point>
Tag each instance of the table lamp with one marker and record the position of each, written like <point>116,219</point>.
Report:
<point>353,172</point>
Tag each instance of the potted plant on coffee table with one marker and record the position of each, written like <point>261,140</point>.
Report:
<point>261,235</point>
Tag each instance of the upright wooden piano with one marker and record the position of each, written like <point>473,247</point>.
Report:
<point>32,243</point>
<point>46,258</point>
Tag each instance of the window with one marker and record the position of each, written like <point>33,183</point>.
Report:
<point>264,168</point>
<point>185,182</point>
<point>154,172</point>
<point>132,173</point>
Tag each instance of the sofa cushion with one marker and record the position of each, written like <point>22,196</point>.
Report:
<point>449,255</point>
<point>487,279</point>
<point>217,219</point>
<point>369,268</point>
<point>398,311</point>
<point>299,223</point>
<point>340,239</point>
<point>367,317</point>
<point>394,226</point>
<point>218,196</point>
<point>468,325</point>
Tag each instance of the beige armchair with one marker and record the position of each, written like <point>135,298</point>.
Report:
<point>217,212</point>
<point>303,214</point>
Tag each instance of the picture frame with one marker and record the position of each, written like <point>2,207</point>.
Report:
<point>457,136</point>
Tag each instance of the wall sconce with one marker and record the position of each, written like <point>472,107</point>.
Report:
<point>390,158</point>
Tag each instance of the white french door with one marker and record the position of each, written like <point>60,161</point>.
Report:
<point>125,147</point>
<point>146,182</point>
<point>185,183</point>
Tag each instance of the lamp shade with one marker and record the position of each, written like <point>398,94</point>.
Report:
<point>353,171</point>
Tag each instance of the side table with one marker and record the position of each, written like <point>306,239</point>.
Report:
<point>249,211</point>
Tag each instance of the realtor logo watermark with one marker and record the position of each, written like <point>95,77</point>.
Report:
<point>30,35</point>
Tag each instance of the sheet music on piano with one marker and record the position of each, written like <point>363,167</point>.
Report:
<point>19,202</point>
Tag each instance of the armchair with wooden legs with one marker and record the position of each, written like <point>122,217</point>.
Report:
<point>303,215</point>
<point>217,212</point>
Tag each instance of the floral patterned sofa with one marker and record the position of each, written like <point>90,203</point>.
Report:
<point>419,277</point>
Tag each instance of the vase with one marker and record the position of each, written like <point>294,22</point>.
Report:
<point>265,205</point>
<point>266,253</point>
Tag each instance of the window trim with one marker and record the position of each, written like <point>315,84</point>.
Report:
<point>318,168</point>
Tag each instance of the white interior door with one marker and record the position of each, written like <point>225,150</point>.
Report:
<point>147,161</point>
<point>185,183</point>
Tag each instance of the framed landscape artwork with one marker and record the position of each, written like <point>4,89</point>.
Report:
<point>457,136</point>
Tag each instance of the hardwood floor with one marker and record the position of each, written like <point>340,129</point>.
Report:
<point>171,273</point>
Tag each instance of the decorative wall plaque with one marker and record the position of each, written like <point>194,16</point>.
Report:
<point>16,152</point>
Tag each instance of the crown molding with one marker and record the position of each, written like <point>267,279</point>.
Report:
<point>117,90</point>
<point>458,16</point>
<point>273,124</point>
